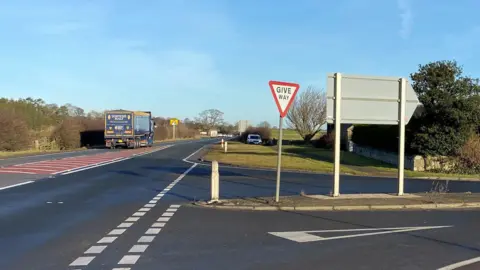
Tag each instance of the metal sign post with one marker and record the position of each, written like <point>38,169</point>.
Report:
<point>174,124</point>
<point>283,94</point>
<point>279,158</point>
<point>338,125</point>
<point>369,100</point>
<point>401,135</point>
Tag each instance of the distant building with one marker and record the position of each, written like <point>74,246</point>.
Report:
<point>213,133</point>
<point>242,125</point>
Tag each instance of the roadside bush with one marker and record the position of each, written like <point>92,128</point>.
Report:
<point>184,132</point>
<point>14,133</point>
<point>67,134</point>
<point>161,133</point>
<point>381,137</point>
<point>164,131</point>
<point>326,141</point>
<point>93,124</point>
<point>469,156</point>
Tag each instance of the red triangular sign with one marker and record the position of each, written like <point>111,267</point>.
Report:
<point>284,94</point>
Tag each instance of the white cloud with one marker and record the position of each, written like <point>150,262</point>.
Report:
<point>406,18</point>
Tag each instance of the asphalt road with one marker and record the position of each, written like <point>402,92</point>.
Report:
<point>21,170</point>
<point>131,215</point>
<point>52,156</point>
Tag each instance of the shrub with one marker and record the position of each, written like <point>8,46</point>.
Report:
<point>93,124</point>
<point>161,133</point>
<point>376,136</point>
<point>14,133</point>
<point>469,155</point>
<point>184,132</point>
<point>67,134</point>
<point>326,141</point>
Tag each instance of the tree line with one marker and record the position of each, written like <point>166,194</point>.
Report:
<point>33,123</point>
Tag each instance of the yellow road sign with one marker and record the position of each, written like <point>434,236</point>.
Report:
<point>174,122</point>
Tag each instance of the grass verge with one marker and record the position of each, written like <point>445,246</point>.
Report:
<point>290,134</point>
<point>307,158</point>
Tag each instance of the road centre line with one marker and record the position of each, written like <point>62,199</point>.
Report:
<point>121,228</point>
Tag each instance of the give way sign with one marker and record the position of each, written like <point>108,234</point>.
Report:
<point>284,94</point>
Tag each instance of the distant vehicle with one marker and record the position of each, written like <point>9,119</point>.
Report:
<point>254,139</point>
<point>130,129</point>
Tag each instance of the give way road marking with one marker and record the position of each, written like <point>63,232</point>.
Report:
<point>308,236</point>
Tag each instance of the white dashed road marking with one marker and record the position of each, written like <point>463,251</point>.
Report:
<point>146,239</point>
<point>95,249</point>
<point>107,240</point>
<point>138,248</point>
<point>121,228</point>
<point>152,231</point>
<point>82,261</point>
<point>132,259</point>
<point>117,231</point>
<point>129,259</point>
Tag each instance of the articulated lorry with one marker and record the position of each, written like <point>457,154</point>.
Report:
<point>129,129</point>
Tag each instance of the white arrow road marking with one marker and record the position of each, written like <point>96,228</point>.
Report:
<point>460,264</point>
<point>307,236</point>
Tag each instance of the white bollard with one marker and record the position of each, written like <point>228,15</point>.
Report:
<point>222,143</point>
<point>226,147</point>
<point>215,182</point>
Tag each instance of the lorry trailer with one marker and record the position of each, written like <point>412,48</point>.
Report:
<point>129,129</point>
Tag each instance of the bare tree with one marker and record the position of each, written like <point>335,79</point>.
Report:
<point>74,111</point>
<point>95,115</point>
<point>209,119</point>
<point>308,113</point>
<point>264,124</point>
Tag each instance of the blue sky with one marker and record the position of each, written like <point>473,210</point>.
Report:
<point>179,57</point>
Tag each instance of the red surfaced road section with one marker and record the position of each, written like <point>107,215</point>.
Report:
<point>58,166</point>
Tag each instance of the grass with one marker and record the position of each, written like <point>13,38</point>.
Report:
<point>290,134</point>
<point>266,157</point>
<point>306,158</point>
